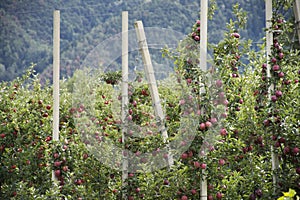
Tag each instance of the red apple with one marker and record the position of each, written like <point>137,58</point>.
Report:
<point>166,182</point>
<point>221,162</point>
<point>184,197</point>
<point>184,156</point>
<point>55,155</point>
<point>57,173</point>
<point>298,170</point>
<point>295,150</point>
<point>203,166</point>
<point>236,35</point>
<point>273,98</point>
<point>48,107</point>
<point>219,195</point>
<point>208,124</point>
<point>193,191</point>
<point>219,83</point>
<point>278,93</point>
<point>57,163</point>
<point>202,126</point>
<point>276,68</point>
<point>197,164</point>
<point>65,168</point>
<point>223,132</point>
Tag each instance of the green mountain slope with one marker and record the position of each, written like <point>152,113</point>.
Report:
<point>26,27</point>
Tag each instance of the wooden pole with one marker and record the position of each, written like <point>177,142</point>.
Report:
<point>124,93</point>
<point>56,61</point>
<point>143,46</point>
<point>203,67</point>
<point>269,41</point>
<point>297,17</point>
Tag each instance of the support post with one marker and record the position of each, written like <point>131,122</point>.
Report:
<point>124,95</point>
<point>143,47</point>
<point>203,67</point>
<point>56,61</point>
<point>297,17</point>
<point>269,41</point>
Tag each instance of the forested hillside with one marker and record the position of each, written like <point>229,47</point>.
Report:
<point>26,27</point>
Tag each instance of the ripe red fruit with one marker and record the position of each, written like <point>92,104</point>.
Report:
<point>210,187</point>
<point>223,132</point>
<point>278,93</point>
<point>252,196</point>
<point>210,197</point>
<point>85,156</point>
<point>280,55</point>
<point>286,150</point>
<point>114,190</point>
<point>57,163</point>
<point>295,150</point>
<point>130,112</point>
<point>2,135</point>
<point>48,107</point>
<point>130,198</point>
<point>236,35</point>
<point>65,168</point>
<point>282,140</point>
<point>166,182</point>
<point>208,124</point>
<point>184,156</point>
<point>197,38</point>
<point>202,126</point>
<point>48,138</point>
<point>184,197</point>
<point>221,162</point>
<point>203,166</point>
<point>57,173</point>
<point>276,68</point>
<point>298,170</point>
<point>197,164</point>
<point>129,117</point>
<point>213,120</point>
<point>193,191</point>
<point>273,98</point>
<point>273,60</point>
<point>40,102</point>
<point>78,182</point>
<point>266,122</point>
<point>219,83</point>
<point>258,192</point>
<point>55,155</point>
<point>130,175</point>
<point>137,190</point>
<point>219,195</point>
<point>45,115</point>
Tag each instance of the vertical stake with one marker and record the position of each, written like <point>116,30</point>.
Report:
<point>297,17</point>
<point>269,41</point>
<point>56,61</point>
<point>203,67</point>
<point>124,95</point>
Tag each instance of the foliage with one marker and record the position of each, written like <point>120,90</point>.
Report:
<point>243,114</point>
<point>288,195</point>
